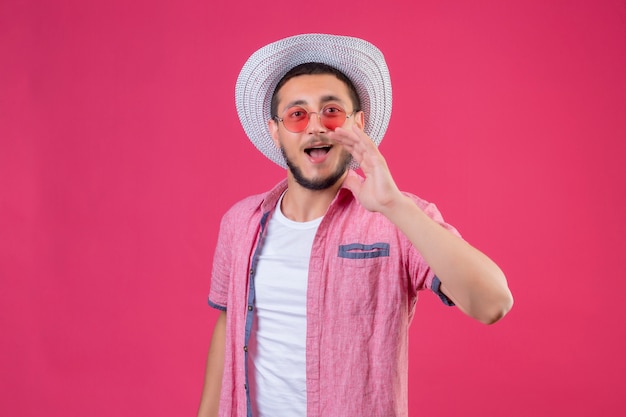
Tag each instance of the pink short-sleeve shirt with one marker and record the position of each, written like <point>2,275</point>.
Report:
<point>364,276</point>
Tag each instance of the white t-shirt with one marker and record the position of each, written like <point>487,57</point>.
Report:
<point>278,339</point>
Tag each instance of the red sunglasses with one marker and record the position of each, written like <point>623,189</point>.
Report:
<point>296,118</point>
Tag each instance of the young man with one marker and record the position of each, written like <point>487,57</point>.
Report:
<point>317,279</point>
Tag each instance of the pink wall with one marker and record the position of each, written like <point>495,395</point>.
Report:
<point>120,149</point>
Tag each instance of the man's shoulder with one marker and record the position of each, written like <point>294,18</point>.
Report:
<point>255,204</point>
<point>241,215</point>
<point>248,204</point>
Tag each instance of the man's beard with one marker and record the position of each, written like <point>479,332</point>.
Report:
<point>317,184</point>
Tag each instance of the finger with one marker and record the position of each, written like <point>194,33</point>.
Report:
<point>354,140</point>
<point>344,136</point>
<point>361,133</point>
<point>351,135</point>
<point>351,143</point>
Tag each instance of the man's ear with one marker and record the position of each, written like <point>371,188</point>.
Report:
<point>272,125</point>
<point>359,119</point>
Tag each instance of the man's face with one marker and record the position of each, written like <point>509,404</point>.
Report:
<point>314,161</point>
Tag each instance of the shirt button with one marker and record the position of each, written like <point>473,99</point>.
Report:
<point>245,386</point>
<point>249,308</point>
<point>245,348</point>
<point>251,271</point>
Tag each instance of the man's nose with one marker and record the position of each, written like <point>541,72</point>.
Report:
<point>315,123</point>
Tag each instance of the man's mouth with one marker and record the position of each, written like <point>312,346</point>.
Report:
<point>318,151</point>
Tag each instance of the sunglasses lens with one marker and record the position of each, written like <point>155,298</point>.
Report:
<point>333,117</point>
<point>296,119</point>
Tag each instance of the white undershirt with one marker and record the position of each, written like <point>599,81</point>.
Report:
<point>278,341</point>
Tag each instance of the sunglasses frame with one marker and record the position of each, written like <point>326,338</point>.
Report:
<point>319,115</point>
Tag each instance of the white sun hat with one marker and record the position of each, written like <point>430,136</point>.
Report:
<point>359,60</point>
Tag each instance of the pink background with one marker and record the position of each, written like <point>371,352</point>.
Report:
<point>120,150</point>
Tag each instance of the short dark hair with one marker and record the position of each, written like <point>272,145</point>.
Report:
<point>315,68</point>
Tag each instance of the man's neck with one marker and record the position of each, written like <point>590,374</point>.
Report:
<point>302,204</point>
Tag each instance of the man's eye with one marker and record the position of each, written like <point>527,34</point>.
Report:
<point>296,114</point>
<point>332,111</point>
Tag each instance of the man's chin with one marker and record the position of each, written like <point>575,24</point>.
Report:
<point>318,183</point>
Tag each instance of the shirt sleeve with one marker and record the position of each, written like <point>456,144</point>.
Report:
<point>220,276</point>
<point>436,288</point>
<point>422,276</point>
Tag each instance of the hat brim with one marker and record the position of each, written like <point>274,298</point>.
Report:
<point>359,60</point>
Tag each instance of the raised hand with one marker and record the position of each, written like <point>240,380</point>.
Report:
<point>378,191</point>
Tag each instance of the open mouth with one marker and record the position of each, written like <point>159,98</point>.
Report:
<point>318,151</point>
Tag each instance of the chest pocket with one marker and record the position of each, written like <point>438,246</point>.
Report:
<point>361,251</point>
<point>362,285</point>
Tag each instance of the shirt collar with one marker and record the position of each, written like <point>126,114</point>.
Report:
<point>271,198</point>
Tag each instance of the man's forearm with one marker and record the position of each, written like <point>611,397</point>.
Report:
<point>472,280</point>
<point>209,403</point>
